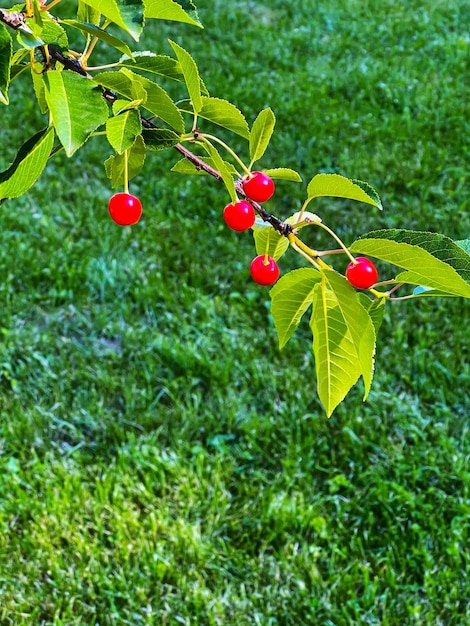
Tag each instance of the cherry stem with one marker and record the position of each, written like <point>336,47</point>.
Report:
<point>126,171</point>
<point>210,138</point>
<point>338,240</point>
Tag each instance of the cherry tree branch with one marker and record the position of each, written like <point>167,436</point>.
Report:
<point>17,21</point>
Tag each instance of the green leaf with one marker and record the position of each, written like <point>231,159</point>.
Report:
<point>261,133</point>
<point>222,169</point>
<point>122,129</point>
<point>6,50</point>
<point>338,186</point>
<point>39,88</point>
<point>464,244</point>
<point>221,112</point>
<point>159,64</point>
<point>191,75</point>
<point>115,164</point>
<point>375,308</point>
<point>157,101</point>
<point>159,139</point>
<point>284,173</point>
<point>127,14</point>
<point>440,246</point>
<point>291,296</point>
<point>53,33</point>
<point>343,340</point>
<point>27,166</point>
<point>170,10</point>
<point>76,105</point>
<point>423,268</point>
<point>86,13</point>
<point>185,166</point>
<point>103,35</point>
<point>268,240</point>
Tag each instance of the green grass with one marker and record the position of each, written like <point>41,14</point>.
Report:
<point>161,462</point>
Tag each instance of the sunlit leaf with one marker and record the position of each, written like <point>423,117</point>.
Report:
<point>122,129</point>
<point>261,133</point>
<point>422,267</point>
<point>66,93</point>
<point>173,11</point>
<point>28,165</point>
<point>284,173</point>
<point>268,240</point>
<point>6,49</point>
<point>222,113</point>
<point>343,340</point>
<point>440,246</point>
<point>222,169</point>
<point>115,164</point>
<point>127,14</point>
<point>101,34</point>
<point>337,186</point>
<point>191,75</point>
<point>291,297</point>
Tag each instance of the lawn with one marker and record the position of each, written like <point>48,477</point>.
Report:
<point>162,462</point>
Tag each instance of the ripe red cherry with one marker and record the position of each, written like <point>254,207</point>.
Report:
<point>264,272</point>
<point>239,216</point>
<point>124,209</point>
<point>362,274</point>
<point>258,187</point>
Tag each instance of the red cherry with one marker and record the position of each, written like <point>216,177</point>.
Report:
<point>124,209</point>
<point>264,272</point>
<point>362,274</point>
<point>258,187</point>
<point>239,216</point>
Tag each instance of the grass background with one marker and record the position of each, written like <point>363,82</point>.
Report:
<point>161,461</point>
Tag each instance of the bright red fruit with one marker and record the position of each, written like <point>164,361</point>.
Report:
<point>262,272</point>
<point>362,274</point>
<point>239,216</point>
<point>124,209</point>
<point>258,187</point>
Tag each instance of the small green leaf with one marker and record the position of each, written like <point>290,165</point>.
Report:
<point>422,267</point>
<point>268,240</point>
<point>27,166</point>
<point>133,86</point>
<point>291,296</point>
<point>261,133</point>
<point>103,35</point>
<point>53,33</point>
<point>122,129</point>
<point>157,139</point>
<point>159,64</point>
<point>221,112</point>
<point>115,164</point>
<point>222,169</point>
<point>6,49</point>
<point>338,186</point>
<point>191,75</point>
<point>375,308</point>
<point>127,14</point>
<point>39,88</point>
<point>87,14</point>
<point>66,93</point>
<point>464,244</point>
<point>284,173</point>
<point>170,10</point>
<point>185,166</point>
<point>343,340</point>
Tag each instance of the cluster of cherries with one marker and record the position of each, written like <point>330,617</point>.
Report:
<point>126,210</point>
